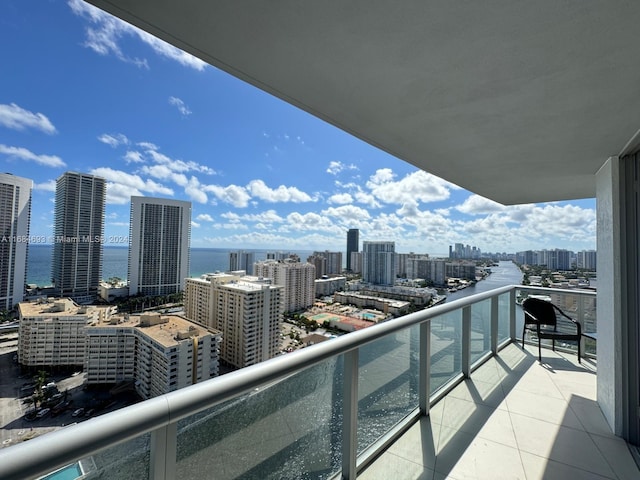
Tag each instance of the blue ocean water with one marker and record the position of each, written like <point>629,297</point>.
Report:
<point>203,260</point>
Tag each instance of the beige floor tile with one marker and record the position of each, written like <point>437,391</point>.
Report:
<point>539,468</point>
<point>548,409</point>
<point>464,457</point>
<point>616,452</point>
<point>392,467</point>
<point>562,444</point>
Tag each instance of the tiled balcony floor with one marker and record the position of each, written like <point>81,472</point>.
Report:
<point>514,419</point>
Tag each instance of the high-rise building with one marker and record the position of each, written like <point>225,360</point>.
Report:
<point>15,212</point>
<point>78,236</point>
<point>298,280</point>
<point>379,262</point>
<point>241,260</point>
<point>353,245</point>
<point>246,310</point>
<point>159,236</point>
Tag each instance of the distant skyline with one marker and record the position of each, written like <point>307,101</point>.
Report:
<point>83,91</point>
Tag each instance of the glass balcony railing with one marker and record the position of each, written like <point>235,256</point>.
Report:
<point>322,412</point>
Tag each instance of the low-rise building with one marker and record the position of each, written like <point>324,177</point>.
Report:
<point>158,353</point>
<point>53,332</point>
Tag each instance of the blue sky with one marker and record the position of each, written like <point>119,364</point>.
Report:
<point>83,91</point>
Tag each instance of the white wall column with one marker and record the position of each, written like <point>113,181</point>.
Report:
<point>609,290</point>
<point>618,218</point>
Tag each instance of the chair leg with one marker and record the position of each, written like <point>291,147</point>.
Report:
<point>579,353</point>
<point>539,351</point>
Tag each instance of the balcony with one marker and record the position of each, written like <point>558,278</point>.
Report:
<point>442,393</point>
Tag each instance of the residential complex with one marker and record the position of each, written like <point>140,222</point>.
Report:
<point>156,353</point>
<point>78,236</point>
<point>15,213</point>
<point>160,232</point>
<point>379,262</point>
<point>298,280</point>
<point>246,310</point>
<point>52,333</point>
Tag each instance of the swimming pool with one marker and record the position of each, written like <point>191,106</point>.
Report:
<point>70,472</point>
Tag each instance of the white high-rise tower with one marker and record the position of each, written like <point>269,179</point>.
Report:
<point>78,236</point>
<point>15,211</point>
<point>379,263</point>
<point>159,236</point>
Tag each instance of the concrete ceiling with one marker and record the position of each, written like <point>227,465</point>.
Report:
<point>518,101</point>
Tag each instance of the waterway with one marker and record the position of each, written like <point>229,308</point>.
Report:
<point>506,273</point>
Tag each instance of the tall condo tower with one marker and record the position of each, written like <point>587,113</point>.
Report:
<point>353,245</point>
<point>379,263</point>
<point>15,211</point>
<point>241,260</point>
<point>159,236</point>
<point>78,236</point>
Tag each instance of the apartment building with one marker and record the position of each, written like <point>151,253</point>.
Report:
<point>246,310</point>
<point>242,260</point>
<point>15,213</point>
<point>157,353</point>
<point>78,236</point>
<point>160,232</point>
<point>379,262</point>
<point>298,280</point>
<point>53,332</point>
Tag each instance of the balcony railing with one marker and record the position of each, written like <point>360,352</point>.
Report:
<point>321,412</point>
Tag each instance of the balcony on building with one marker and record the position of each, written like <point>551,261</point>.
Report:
<point>447,392</point>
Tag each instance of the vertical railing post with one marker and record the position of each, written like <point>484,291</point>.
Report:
<point>466,341</point>
<point>512,316</point>
<point>494,324</point>
<point>164,447</point>
<point>424,380</point>
<point>350,415</point>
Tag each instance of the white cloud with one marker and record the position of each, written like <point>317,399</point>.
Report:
<point>180,105</point>
<point>418,186</point>
<point>177,165</point>
<point>281,194</point>
<point>27,155</point>
<point>266,217</point>
<point>476,205</point>
<point>133,157</point>
<point>232,194</point>
<point>194,191</point>
<point>108,32</point>
<point>336,167</point>
<point>195,224</point>
<point>340,198</point>
<point>123,185</point>
<point>17,118</point>
<point>204,217</point>
<point>48,186</point>
<point>347,213</point>
<point>114,140</point>
<point>308,221</point>
<point>163,172</point>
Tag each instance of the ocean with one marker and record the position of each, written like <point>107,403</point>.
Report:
<point>203,260</point>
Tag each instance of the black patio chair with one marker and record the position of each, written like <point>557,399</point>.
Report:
<point>550,323</point>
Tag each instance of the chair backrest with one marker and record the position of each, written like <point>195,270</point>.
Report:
<point>539,311</point>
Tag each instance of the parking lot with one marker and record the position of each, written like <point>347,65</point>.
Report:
<point>15,414</point>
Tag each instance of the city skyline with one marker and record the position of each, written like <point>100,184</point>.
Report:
<point>88,93</point>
